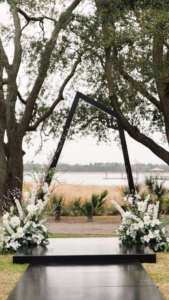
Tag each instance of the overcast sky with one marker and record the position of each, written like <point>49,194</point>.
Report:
<point>86,151</point>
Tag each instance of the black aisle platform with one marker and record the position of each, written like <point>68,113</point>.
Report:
<point>85,269</point>
<point>79,251</point>
<point>125,281</point>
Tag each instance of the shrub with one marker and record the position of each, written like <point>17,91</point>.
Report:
<point>166,204</point>
<point>55,200</point>
<point>98,202</point>
<point>156,189</point>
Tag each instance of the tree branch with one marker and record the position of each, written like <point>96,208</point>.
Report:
<point>140,88</point>
<point>44,66</point>
<point>112,96</point>
<point>32,18</point>
<point>4,57</point>
<point>17,40</point>
<point>20,98</point>
<point>59,98</point>
<point>134,132</point>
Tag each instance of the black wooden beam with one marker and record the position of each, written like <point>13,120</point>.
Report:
<point>110,112</point>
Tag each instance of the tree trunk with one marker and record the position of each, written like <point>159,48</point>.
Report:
<point>3,164</point>
<point>14,171</point>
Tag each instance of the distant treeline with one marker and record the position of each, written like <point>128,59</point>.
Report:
<point>98,167</point>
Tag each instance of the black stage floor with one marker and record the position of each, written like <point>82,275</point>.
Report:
<point>79,251</point>
<point>125,281</point>
<point>85,269</point>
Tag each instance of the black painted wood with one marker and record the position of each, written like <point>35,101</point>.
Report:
<point>100,106</point>
<point>84,251</point>
<point>127,281</point>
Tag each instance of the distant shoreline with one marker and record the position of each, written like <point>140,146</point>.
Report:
<point>103,172</point>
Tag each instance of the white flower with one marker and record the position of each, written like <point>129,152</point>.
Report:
<point>43,228</point>
<point>146,238</point>
<point>13,244</point>
<point>137,196</point>
<point>5,216</point>
<point>156,209</point>
<point>156,248</point>
<point>163,230</point>
<point>18,234</point>
<point>146,202</point>
<point>34,225</point>
<point>12,208</point>
<point>45,187</point>
<point>167,239</point>
<point>128,232</point>
<point>27,225</point>
<point>141,224</point>
<point>135,226</point>
<point>130,200</point>
<point>133,234</point>
<point>150,235</point>
<point>31,208</point>
<point>19,208</point>
<point>40,203</point>
<point>127,214</point>
<point>125,198</point>
<point>154,222</point>
<point>26,195</point>
<point>121,211</point>
<point>147,220</point>
<point>120,227</point>
<point>156,232</point>
<point>141,206</point>
<point>15,221</point>
<point>8,227</point>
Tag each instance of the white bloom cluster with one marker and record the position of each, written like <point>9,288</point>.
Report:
<point>132,198</point>
<point>26,226</point>
<point>156,209</point>
<point>121,211</point>
<point>19,208</point>
<point>15,221</point>
<point>140,224</point>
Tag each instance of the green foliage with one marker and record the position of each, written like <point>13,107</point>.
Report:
<point>166,205</point>
<point>155,188</point>
<point>51,173</point>
<point>149,182</point>
<point>55,200</point>
<point>98,202</point>
<point>77,208</point>
<point>124,190</point>
<point>74,207</point>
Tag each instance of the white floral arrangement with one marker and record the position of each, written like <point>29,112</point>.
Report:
<point>141,223</point>
<point>23,225</point>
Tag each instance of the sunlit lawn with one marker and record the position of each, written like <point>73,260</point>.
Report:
<point>10,273</point>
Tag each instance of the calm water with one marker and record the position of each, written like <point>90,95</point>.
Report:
<point>110,179</point>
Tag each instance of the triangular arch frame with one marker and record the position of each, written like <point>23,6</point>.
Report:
<point>110,112</point>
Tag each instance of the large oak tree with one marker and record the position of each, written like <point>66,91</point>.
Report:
<point>34,51</point>
<point>127,68</point>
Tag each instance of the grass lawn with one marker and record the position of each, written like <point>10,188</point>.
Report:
<point>159,273</point>
<point>10,273</point>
